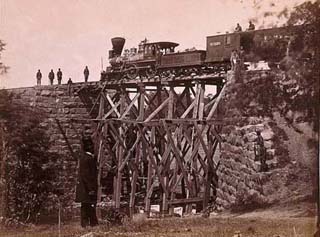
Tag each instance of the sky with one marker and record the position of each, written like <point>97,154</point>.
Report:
<point>70,34</point>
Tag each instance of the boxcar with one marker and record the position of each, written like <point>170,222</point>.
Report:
<point>265,44</point>
<point>219,47</point>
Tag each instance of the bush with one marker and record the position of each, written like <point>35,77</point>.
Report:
<point>27,167</point>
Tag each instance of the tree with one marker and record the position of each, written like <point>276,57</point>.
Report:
<point>3,67</point>
<point>304,67</point>
<point>27,167</point>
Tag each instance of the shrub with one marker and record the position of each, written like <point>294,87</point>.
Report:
<point>28,168</point>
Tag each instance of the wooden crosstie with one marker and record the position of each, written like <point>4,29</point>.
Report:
<point>160,141</point>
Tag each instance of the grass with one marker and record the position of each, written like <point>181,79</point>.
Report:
<point>179,227</point>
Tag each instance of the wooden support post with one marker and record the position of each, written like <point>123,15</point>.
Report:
<point>190,192</point>
<point>100,149</point>
<point>134,181</point>
<point>167,165</point>
<point>200,117</point>
<point>208,176</point>
<point>119,151</point>
<point>150,174</point>
<point>214,107</point>
<point>139,151</point>
<point>210,172</point>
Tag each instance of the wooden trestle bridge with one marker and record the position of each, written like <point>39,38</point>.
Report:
<point>159,138</point>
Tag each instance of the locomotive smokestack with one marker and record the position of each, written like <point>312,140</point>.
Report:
<point>117,45</point>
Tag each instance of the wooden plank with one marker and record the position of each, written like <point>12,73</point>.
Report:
<point>154,113</point>
<point>166,166</point>
<point>176,153</point>
<point>94,104</point>
<point>179,98</point>
<point>185,201</point>
<point>201,101</point>
<point>150,99</point>
<point>100,164</point>
<point>210,174</point>
<point>149,175</point>
<point>134,183</point>
<point>149,192</point>
<point>175,184</point>
<point>153,161</point>
<point>200,137</point>
<point>171,103</point>
<point>192,90</point>
<point>117,136</point>
<point>120,152</point>
<point>100,150</point>
<point>101,108</point>
<point>214,133</point>
<point>200,117</point>
<point>197,100</point>
<point>195,149</point>
<point>191,106</point>
<point>129,153</point>
<point>112,110</point>
<point>195,113</point>
<point>134,109</point>
<point>141,103</point>
<point>215,106</point>
<point>114,105</point>
<point>208,105</point>
<point>130,106</point>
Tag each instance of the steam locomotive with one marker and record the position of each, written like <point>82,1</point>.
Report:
<point>160,59</point>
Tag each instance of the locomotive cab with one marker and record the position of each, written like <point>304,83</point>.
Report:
<point>157,49</point>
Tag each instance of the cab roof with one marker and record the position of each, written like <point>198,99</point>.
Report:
<point>163,44</point>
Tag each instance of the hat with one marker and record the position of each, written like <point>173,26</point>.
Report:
<point>87,143</point>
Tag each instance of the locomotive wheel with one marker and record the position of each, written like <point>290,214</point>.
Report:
<point>151,71</point>
<point>198,71</point>
<point>179,72</point>
<point>188,71</point>
<point>132,71</point>
<point>164,73</point>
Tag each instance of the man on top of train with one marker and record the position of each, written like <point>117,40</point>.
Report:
<point>251,26</point>
<point>238,28</point>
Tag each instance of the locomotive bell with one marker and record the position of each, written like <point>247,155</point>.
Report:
<point>117,45</point>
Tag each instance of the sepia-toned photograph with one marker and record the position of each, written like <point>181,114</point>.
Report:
<point>159,118</point>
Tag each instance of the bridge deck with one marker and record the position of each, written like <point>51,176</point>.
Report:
<point>209,79</point>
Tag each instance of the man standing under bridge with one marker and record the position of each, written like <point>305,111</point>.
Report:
<point>87,185</point>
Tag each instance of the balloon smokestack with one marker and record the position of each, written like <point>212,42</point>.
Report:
<point>117,45</point>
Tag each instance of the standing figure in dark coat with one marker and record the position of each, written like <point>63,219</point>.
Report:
<point>39,76</point>
<point>59,76</point>
<point>87,185</point>
<point>51,77</point>
<point>234,58</point>
<point>260,152</point>
<point>86,74</point>
<point>69,86</point>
